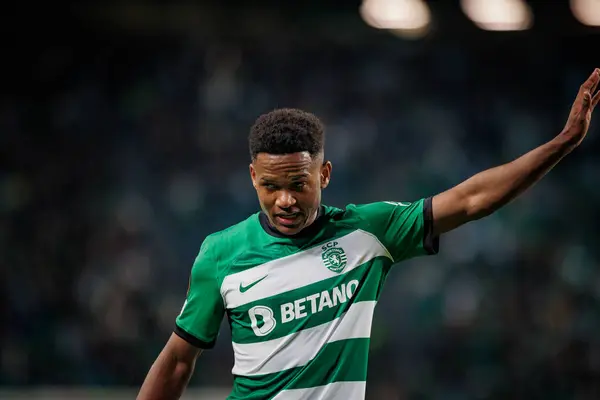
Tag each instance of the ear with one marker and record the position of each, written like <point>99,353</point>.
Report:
<point>253,175</point>
<point>325,174</point>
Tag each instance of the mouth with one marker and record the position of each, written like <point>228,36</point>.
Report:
<point>288,219</point>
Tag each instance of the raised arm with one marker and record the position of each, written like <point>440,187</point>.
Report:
<point>169,375</point>
<point>487,191</point>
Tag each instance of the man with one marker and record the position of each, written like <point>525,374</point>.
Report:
<point>299,281</point>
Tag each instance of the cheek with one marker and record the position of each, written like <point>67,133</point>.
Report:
<point>311,197</point>
<point>265,198</point>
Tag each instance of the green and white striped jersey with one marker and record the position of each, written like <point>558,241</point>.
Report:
<point>300,307</point>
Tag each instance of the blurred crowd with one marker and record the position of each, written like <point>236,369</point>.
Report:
<point>128,151</point>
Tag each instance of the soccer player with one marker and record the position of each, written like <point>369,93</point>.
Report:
<point>299,280</point>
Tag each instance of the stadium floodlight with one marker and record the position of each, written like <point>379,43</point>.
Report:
<point>499,15</point>
<point>406,18</point>
<point>586,11</point>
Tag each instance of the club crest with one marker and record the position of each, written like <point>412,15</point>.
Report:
<point>334,258</point>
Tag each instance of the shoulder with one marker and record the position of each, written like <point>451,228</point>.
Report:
<point>379,205</point>
<point>242,228</point>
<point>220,248</point>
<point>230,240</point>
<point>352,212</point>
<point>364,211</point>
<point>354,216</point>
<point>381,213</point>
<point>382,207</point>
<point>225,247</point>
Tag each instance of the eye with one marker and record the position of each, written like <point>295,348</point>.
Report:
<point>270,186</point>
<point>299,185</point>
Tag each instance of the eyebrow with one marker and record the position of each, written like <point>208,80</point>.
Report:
<point>292,178</point>
<point>298,177</point>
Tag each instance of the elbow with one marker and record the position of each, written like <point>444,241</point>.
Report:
<point>182,367</point>
<point>478,207</point>
<point>183,370</point>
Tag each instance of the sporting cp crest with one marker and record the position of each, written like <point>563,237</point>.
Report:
<point>333,257</point>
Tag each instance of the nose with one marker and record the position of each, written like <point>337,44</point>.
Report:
<point>285,199</point>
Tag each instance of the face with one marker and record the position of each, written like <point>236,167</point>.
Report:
<point>289,188</point>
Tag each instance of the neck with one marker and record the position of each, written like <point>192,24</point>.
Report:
<point>313,217</point>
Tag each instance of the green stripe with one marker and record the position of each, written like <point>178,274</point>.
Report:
<point>341,361</point>
<point>371,276</point>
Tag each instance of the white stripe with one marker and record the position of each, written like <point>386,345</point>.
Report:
<point>297,349</point>
<point>298,270</point>
<point>332,391</point>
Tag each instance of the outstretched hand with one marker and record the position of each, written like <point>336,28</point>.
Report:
<point>581,111</point>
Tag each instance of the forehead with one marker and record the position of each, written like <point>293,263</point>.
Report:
<point>283,165</point>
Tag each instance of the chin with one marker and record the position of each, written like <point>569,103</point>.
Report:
<point>289,230</point>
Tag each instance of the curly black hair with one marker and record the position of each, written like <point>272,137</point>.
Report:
<point>285,131</point>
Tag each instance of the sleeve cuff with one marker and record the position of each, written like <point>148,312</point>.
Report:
<point>431,243</point>
<point>193,340</point>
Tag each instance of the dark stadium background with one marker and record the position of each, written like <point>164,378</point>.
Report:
<point>123,144</point>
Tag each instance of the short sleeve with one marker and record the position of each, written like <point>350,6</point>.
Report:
<point>203,310</point>
<point>405,229</point>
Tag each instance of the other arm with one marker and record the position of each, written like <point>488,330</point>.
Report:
<point>486,192</point>
<point>196,328</point>
<point>171,372</point>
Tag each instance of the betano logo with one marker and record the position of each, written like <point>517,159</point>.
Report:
<point>262,318</point>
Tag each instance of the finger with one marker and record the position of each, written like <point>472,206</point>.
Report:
<point>592,81</point>
<point>596,80</point>
<point>587,101</point>
<point>596,99</point>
